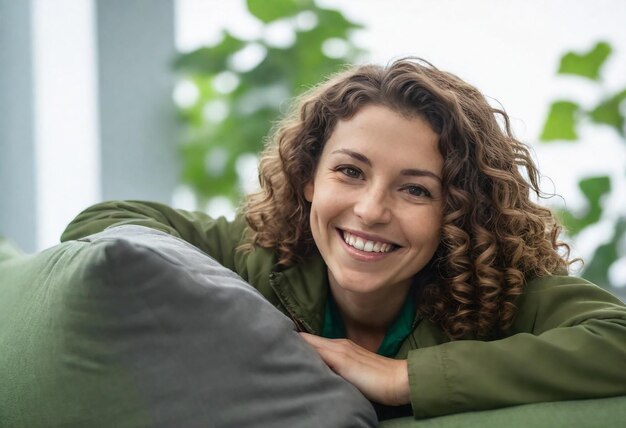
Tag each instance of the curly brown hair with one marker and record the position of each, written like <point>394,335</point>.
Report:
<point>494,237</point>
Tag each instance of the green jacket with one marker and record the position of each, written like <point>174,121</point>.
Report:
<point>568,340</point>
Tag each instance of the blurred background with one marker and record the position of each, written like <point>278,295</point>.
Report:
<point>170,100</point>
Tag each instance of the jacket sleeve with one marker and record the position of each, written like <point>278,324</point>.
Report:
<point>568,342</point>
<point>217,237</point>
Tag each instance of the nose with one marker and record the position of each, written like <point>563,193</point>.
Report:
<point>373,207</point>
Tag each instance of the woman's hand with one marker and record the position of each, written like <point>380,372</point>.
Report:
<point>380,379</point>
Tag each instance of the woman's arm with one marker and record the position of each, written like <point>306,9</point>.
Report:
<point>216,237</point>
<point>569,342</point>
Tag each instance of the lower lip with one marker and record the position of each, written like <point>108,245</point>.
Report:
<point>361,255</point>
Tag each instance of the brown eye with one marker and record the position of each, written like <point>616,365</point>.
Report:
<point>350,171</point>
<point>417,191</point>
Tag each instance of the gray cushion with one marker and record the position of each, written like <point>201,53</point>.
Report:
<point>133,328</point>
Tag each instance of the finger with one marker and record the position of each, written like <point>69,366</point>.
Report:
<point>317,340</point>
<point>312,340</point>
<point>334,354</point>
<point>336,344</point>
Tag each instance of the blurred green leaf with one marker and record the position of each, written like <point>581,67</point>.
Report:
<point>332,23</point>
<point>593,188</point>
<point>271,10</point>
<point>597,270</point>
<point>561,125</point>
<point>210,60</point>
<point>587,64</point>
<point>608,112</point>
<point>561,122</point>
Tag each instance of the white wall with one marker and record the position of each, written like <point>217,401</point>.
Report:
<point>66,113</point>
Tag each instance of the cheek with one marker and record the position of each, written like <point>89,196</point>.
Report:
<point>323,209</point>
<point>426,230</point>
<point>326,200</point>
<point>431,239</point>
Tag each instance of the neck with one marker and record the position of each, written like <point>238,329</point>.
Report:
<point>368,316</point>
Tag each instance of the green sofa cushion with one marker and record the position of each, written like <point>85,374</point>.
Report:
<point>596,413</point>
<point>135,328</point>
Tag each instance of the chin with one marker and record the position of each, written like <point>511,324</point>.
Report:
<point>359,286</point>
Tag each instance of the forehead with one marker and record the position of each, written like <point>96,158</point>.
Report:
<point>387,138</point>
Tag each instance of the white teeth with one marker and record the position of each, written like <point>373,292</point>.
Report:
<point>367,246</point>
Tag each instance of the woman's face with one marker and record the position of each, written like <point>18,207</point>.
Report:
<point>376,200</point>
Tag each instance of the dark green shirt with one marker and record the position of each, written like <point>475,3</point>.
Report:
<point>402,326</point>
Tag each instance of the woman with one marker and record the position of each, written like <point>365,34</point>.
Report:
<point>395,226</point>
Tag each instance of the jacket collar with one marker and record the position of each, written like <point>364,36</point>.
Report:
<point>303,289</point>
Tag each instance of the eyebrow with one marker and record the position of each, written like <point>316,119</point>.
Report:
<point>415,172</point>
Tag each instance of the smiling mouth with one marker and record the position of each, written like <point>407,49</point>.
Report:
<point>366,245</point>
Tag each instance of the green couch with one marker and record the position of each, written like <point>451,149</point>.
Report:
<point>119,330</point>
